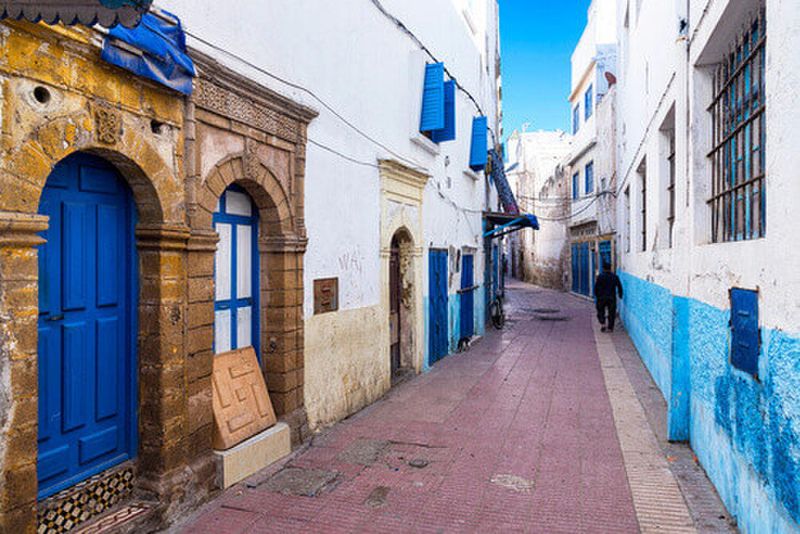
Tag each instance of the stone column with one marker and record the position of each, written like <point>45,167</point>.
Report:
<point>163,406</point>
<point>19,379</point>
<point>200,356</point>
<point>282,331</point>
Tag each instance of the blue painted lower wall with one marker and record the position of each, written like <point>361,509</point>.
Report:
<point>745,432</point>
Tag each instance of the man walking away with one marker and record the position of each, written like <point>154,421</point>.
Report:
<point>606,287</point>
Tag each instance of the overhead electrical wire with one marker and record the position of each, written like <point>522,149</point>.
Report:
<point>309,92</point>
<point>401,25</point>
<point>338,115</point>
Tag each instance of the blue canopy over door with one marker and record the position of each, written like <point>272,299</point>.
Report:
<point>87,292</point>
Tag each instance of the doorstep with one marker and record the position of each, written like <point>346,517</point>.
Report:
<point>253,455</point>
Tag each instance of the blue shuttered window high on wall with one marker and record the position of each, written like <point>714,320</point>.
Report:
<point>576,193</point>
<point>438,117</point>
<point>432,117</point>
<point>589,178</point>
<point>478,153</point>
<point>448,133</point>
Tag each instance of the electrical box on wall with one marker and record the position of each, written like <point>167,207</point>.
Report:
<point>745,333</point>
<point>326,295</point>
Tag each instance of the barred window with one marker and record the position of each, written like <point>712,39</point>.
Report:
<point>738,200</point>
<point>671,185</point>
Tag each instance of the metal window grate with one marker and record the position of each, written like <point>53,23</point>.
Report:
<point>738,202</point>
<point>643,220</point>
<point>671,186</point>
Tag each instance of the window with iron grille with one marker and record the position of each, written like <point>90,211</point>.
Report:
<point>628,219</point>
<point>643,212</point>
<point>738,202</point>
<point>671,185</point>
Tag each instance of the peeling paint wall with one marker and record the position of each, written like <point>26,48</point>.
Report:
<point>347,362</point>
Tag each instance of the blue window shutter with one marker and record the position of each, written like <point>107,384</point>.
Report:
<point>448,133</point>
<point>745,342</point>
<point>589,172</point>
<point>575,181</point>
<point>477,150</point>
<point>432,117</point>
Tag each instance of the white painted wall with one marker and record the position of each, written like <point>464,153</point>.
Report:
<point>537,156</point>
<point>656,75</point>
<point>369,74</point>
<point>358,62</point>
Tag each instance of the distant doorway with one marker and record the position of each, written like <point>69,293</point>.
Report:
<point>401,310</point>
<point>395,291</point>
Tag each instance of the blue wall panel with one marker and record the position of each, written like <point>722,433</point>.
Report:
<point>646,311</point>
<point>745,432</point>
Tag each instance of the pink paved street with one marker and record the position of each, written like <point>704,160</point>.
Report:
<point>517,433</point>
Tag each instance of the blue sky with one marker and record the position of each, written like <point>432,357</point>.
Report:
<point>537,38</point>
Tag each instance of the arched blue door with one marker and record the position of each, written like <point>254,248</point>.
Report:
<point>87,292</point>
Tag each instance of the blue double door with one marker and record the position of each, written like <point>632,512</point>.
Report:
<point>87,294</point>
<point>583,266</point>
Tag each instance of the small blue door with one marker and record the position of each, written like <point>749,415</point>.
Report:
<point>576,275</point>
<point>87,290</point>
<point>437,303</point>
<point>467,296</point>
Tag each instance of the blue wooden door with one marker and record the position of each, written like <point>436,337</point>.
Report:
<point>605,253</point>
<point>236,271</point>
<point>576,275</point>
<point>87,288</point>
<point>467,296</point>
<point>437,303</point>
<point>584,268</point>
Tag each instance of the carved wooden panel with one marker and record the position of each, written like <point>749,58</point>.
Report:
<point>241,402</point>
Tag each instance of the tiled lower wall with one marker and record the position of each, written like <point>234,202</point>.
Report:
<point>70,508</point>
<point>745,432</point>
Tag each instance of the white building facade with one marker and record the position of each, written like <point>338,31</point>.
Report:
<point>537,177</point>
<point>382,197</point>
<point>707,172</point>
<point>591,170</point>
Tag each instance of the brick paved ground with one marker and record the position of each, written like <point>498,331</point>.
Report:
<point>518,434</point>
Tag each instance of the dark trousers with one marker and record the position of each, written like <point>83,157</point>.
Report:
<point>609,305</point>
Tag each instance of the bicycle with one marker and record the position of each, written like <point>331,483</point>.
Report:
<point>497,313</point>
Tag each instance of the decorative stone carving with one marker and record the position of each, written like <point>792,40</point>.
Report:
<point>228,104</point>
<point>108,124</point>
<point>252,163</point>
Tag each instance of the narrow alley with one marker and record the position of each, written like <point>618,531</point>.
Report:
<point>516,434</point>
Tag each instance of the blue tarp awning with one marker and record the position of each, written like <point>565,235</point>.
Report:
<point>156,49</point>
<point>503,223</point>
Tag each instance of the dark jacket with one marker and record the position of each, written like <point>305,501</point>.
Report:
<point>605,285</point>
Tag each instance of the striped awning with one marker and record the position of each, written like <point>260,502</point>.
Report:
<point>108,13</point>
